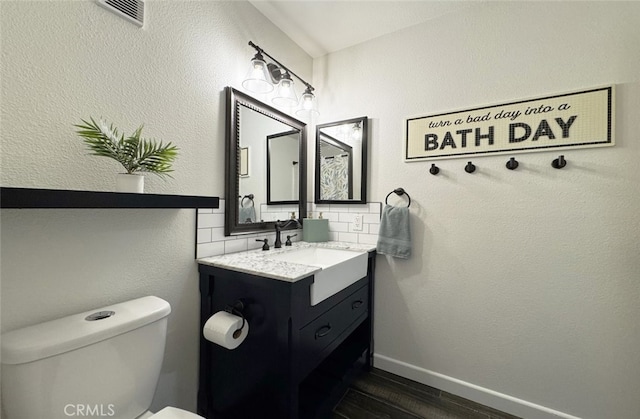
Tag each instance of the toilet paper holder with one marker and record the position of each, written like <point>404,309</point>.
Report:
<point>237,309</point>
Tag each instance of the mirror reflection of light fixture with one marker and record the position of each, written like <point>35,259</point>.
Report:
<point>308,104</point>
<point>262,77</point>
<point>356,131</point>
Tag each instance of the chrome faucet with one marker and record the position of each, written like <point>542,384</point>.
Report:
<point>282,225</point>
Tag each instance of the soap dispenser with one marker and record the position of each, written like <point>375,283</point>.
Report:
<point>315,229</point>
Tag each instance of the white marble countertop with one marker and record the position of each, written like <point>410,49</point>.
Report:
<point>254,261</point>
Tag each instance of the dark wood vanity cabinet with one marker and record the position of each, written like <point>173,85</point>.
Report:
<point>297,359</point>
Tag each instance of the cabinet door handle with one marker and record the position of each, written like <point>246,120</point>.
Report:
<point>356,304</point>
<point>323,331</point>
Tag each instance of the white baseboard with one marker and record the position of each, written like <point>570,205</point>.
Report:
<point>485,396</point>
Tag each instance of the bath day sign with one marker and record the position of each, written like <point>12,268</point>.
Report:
<point>579,119</point>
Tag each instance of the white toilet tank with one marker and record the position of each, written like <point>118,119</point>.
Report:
<point>73,367</point>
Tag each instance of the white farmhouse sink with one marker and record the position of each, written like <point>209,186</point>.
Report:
<point>340,268</point>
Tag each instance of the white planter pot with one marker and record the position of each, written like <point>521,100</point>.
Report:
<point>129,183</point>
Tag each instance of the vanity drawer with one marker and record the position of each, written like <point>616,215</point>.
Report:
<point>321,332</point>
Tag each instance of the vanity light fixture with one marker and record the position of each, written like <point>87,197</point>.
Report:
<point>286,94</point>
<point>262,77</point>
<point>257,79</point>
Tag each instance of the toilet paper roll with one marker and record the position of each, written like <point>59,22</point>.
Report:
<point>224,329</point>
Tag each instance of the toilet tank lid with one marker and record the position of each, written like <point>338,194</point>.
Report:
<point>72,332</point>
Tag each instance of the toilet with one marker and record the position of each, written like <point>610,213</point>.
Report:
<point>101,363</point>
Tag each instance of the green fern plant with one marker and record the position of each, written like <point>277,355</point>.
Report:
<point>134,153</point>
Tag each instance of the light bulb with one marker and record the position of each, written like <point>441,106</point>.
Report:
<point>286,94</point>
<point>307,102</point>
<point>257,79</point>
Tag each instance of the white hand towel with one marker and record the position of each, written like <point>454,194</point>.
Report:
<point>247,215</point>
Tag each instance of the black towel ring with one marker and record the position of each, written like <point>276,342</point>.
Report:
<point>250,196</point>
<point>399,192</point>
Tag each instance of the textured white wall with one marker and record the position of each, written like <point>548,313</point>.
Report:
<point>524,282</point>
<point>62,61</point>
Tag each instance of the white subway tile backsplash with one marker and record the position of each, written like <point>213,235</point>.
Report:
<point>347,217</point>
<point>209,249</point>
<point>335,226</point>
<point>217,234</point>
<point>203,235</point>
<point>365,228</point>
<point>331,216</point>
<point>371,218</point>
<point>373,228</point>
<point>348,237</point>
<point>210,220</point>
<point>368,238</point>
<point>211,241</point>
<point>359,208</point>
<point>237,245</point>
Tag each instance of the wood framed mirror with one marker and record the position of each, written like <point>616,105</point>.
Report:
<point>265,169</point>
<point>341,162</point>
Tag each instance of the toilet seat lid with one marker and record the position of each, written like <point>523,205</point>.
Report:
<point>174,413</point>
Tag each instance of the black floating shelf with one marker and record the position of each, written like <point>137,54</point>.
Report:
<point>60,198</point>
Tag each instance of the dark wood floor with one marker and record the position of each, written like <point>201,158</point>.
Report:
<point>381,395</point>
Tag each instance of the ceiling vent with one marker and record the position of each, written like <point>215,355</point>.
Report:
<point>132,10</point>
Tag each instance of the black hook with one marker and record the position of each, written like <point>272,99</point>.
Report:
<point>434,169</point>
<point>512,164</point>
<point>559,163</point>
<point>470,167</point>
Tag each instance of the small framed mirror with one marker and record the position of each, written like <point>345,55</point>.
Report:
<point>265,166</point>
<point>341,162</point>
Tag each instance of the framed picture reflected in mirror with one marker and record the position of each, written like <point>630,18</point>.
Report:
<point>244,162</point>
